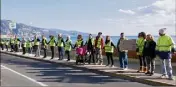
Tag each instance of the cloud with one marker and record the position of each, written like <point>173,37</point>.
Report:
<point>127,11</point>
<point>149,18</point>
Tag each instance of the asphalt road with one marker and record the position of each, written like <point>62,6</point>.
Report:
<point>16,71</point>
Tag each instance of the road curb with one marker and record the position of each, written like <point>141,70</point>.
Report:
<point>121,76</point>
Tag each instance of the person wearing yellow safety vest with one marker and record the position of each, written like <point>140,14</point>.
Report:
<point>90,48</point>
<point>36,46</point>
<point>123,54</point>
<point>109,50</point>
<point>79,44</point>
<point>17,44</point>
<point>23,45</point>
<point>99,44</point>
<point>29,46</point>
<point>12,44</point>
<point>52,44</point>
<point>7,44</point>
<point>140,46</point>
<point>61,45</point>
<point>68,47</point>
<point>2,44</point>
<point>44,45</point>
<point>164,47</point>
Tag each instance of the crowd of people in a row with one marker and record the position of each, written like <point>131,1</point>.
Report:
<point>147,50</point>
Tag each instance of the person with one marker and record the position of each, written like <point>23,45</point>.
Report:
<point>29,46</point>
<point>68,47</point>
<point>140,46</point>
<point>123,54</point>
<point>79,44</point>
<point>52,44</point>
<point>164,45</point>
<point>36,46</point>
<point>7,44</point>
<point>99,44</point>
<point>61,45</point>
<point>90,48</point>
<point>17,43</point>
<point>24,45</point>
<point>11,44</point>
<point>150,54</point>
<point>109,50</point>
<point>44,46</point>
<point>2,44</point>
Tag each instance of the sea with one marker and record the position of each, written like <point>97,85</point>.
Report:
<point>114,38</point>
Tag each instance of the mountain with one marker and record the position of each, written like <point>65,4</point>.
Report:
<point>27,30</point>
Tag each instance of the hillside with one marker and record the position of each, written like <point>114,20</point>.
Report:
<point>27,30</point>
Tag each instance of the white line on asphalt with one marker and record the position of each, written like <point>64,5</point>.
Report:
<point>33,80</point>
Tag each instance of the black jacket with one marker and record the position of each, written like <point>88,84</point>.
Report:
<point>149,49</point>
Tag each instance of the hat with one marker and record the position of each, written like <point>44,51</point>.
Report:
<point>162,31</point>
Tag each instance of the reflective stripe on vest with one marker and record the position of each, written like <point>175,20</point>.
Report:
<point>36,42</point>
<point>60,43</point>
<point>99,42</point>
<point>52,43</point>
<point>78,43</point>
<point>68,45</point>
<point>109,48</point>
<point>16,41</point>
<point>164,43</point>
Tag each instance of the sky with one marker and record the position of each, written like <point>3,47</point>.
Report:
<point>108,16</point>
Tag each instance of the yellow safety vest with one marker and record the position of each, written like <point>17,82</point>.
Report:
<point>140,45</point>
<point>109,48</point>
<point>11,41</point>
<point>28,44</point>
<point>92,40</point>
<point>36,42</point>
<point>68,46</point>
<point>59,43</point>
<point>52,43</point>
<point>164,43</point>
<point>17,42</point>
<point>99,42</point>
<point>78,43</point>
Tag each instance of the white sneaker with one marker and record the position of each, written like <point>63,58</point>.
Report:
<point>112,66</point>
<point>125,68</point>
<point>163,76</point>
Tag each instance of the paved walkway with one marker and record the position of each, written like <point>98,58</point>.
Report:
<point>129,74</point>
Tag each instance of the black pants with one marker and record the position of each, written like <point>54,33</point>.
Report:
<point>91,56</point>
<point>110,58</point>
<point>45,53</point>
<point>7,47</point>
<point>24,50</point>
<point>12,47</point>
<point>52,51</point>
<point>2,46</point>
<point>29,50</point>
<point>150,63</point>
<point>142,61</point>
<point>16,47</point>
<point>68,54</point>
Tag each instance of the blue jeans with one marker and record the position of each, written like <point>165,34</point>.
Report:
<point>166,67</point>
<point>123,59</point>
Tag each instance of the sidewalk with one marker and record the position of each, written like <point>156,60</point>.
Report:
<point>129,74</point>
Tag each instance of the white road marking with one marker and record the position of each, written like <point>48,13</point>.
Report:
<point>33,80</point>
